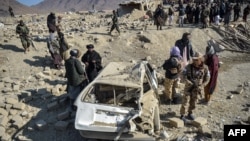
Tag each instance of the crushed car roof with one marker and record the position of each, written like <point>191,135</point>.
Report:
<point>121,74</point>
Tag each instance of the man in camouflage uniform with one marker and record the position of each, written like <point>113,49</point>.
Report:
<point>23,32</point>
<point>197,76</point>
<point>205,16</point>
<point>115,23</point>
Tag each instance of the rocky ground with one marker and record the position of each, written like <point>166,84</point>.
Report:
<point>33,99</point>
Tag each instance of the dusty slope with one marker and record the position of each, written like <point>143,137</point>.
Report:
<point>133,44</point>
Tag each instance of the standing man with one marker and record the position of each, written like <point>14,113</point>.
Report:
<point>237,10</point>
<point>197,14</point>
<point>159,17</point>
<point>185,46</point>
<point>246,12</point>
<point>205,16</point>
<point>212,61</point>
<point>23,32</point>
<point>11,12</point>
<point>217,15</point>
<point>171,14</point>
<point>92,61</point>
<point>181,15</point>
<point>75,76</point>
<point>188,12</point>
<point>197,76</point>
<point>115,23</point>
<point>51,24</point>
<point>173,68</point>
<point>228,13</point>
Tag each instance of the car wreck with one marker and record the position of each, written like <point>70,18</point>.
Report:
<point>120,104</point>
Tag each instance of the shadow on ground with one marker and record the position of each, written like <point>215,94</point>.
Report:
<point>40,61</point>
<point>12,48</point>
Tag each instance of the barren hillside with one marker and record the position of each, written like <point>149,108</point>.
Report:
<point>18,8</point>
<point>77,5</point>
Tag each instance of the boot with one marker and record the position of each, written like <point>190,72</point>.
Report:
<point>191,116</point>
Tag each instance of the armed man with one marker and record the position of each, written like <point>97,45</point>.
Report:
<point>196,76</point>
<point>115,23</point>
<point>23,32</point>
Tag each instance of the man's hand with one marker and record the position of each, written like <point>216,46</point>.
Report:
<point>195,84</point>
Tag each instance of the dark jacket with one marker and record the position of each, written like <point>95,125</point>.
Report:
<point>182,11</point>
<point>159,13</point>
<point>89,57</point>
<point>181,44</point>
<point>172,67</point>
<point>51,22</point>
<point>74,71</point>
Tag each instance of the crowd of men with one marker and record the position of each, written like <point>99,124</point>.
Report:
<point>197,71</point>
<point>202,12</point>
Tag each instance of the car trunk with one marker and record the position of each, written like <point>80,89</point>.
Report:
<point>101,118</point>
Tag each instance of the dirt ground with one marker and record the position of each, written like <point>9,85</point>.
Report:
<point>133,44</point>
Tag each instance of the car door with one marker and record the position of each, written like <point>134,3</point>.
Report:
<point>151,74</point>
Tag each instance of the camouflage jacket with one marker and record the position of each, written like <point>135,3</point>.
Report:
<point>200,76</point>
<point>22,30</point>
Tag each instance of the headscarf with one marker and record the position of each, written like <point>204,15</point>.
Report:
<point>210,50</point>
<point>175,51</point>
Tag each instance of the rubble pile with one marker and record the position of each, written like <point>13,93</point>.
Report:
<point>236,37</point>
<point>20,103</point>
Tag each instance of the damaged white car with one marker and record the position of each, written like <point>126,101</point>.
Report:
<point>120,104</point>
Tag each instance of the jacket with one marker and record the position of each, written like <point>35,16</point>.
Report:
<point>51,22</point>
<point>22,30</point>
<point>181,44</point>
<point>200,76</point>
<point>74,71</point>
<point>172,67</point>
<point>89,57</point>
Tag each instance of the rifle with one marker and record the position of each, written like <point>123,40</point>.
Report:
<point>194,87</point>
<point>32,43</point>
<point>85,73</point>
<point>30,40</point>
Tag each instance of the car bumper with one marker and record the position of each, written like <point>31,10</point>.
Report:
<point>137,136</point>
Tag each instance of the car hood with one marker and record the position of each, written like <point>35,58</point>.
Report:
<point>101,118</point>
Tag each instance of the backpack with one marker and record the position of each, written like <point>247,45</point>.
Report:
<point>176,65</point>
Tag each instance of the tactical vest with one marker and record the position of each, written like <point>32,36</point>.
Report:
<point>196,74</point>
